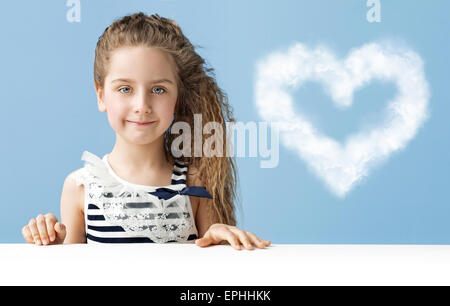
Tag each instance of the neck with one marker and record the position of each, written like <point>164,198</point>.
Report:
<point>136,157</point>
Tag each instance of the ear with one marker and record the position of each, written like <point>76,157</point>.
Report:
<point>100,103</point>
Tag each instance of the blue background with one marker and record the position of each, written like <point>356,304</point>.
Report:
<point>49,112</point>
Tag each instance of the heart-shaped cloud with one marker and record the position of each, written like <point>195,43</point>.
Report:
<point>341,166</point>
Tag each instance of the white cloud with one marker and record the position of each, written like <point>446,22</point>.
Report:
<point>343,165</point>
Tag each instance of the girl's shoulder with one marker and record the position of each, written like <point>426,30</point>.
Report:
<point>80,176</point>
<point>85,174</point>
<point>73,189</point>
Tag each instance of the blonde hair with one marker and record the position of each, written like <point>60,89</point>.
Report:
<point>197,93</point>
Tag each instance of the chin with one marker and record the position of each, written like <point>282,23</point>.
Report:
<point>141,141</point>
<point>144,140</point>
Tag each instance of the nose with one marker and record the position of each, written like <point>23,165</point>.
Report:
<point>142,103</point>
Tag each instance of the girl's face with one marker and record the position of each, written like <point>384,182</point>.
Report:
<point>140,87</point>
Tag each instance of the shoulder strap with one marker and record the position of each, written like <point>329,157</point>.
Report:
<point>179,173</point>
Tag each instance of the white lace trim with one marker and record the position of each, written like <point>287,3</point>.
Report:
<point>81,176</point>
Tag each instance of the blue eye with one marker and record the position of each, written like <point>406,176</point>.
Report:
<point>159,88</point>
<point>124,88</point>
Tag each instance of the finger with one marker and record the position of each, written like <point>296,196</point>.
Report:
<point>206,240</point>
<point>61,231</point>
<point>34,231</point>
<point>42,227</point>
<point>242,237</point>
<point>50,221</point>
<point>27,234</point>
<point>266,242</point>
<point>257,241</point>
<point>202,242</point>
<point>233,239</point>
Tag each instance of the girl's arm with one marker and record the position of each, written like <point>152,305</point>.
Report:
<point>72,211</point>
<point>202,219</point>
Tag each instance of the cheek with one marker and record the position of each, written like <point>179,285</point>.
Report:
<point>116,114</point>
<point>165,113</point>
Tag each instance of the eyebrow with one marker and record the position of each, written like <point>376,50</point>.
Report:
<point>152,82</point>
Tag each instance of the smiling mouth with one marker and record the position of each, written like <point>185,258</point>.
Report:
<point>141,123</point>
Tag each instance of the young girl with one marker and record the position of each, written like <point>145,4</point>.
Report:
<point>148,76</point>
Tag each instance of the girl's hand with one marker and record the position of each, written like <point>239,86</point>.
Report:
<point>44,230</point>
<point>219,232</point>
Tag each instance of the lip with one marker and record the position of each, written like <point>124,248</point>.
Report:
<point>141,123</point>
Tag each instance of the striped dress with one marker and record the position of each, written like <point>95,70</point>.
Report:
<point>118,211</point>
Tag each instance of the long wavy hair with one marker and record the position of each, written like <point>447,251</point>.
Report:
<point>198,93</point>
